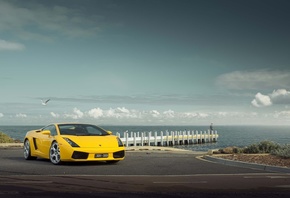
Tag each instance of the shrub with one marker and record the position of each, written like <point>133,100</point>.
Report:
<point>283,151</point>
<point>238,150</point>
<point>268,146</point>
<point>253,148</point>
<point>262,147</point>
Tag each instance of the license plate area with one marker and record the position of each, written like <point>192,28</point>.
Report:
<point>101,155</point>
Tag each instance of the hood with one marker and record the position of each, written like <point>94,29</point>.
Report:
<point>107,141</point>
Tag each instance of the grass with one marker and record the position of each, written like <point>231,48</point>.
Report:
<point>270,147</point>
<point>5,138</point>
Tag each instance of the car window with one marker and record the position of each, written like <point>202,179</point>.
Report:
<point>51,128</point>
<point>96,130</point>
<point>81,130</point>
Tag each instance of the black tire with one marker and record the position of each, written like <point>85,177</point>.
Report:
<point>27,151</point>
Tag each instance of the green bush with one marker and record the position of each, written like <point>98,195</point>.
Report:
<point>268,146</point>
<point>262,147</point>
<point>253,148</point>
<point>283,151</point>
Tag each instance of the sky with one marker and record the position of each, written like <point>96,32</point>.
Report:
<point>145,62</point>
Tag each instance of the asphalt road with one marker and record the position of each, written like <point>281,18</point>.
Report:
<point>141,174</point>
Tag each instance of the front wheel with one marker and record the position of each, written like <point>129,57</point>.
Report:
<point>54,153</point>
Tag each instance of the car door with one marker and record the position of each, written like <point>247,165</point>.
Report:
<point>44,140</point>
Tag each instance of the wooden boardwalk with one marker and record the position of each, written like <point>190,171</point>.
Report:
<point>167,138</point>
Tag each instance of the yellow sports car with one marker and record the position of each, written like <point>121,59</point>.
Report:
<point>73,142</point>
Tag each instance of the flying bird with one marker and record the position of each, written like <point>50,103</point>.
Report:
<point>44,102</point>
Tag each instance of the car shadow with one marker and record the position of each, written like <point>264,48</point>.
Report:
<point>43,161</point>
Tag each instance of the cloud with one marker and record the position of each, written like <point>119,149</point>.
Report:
<point>122,110</point>
<point>262,79</point>
<point>169,114</point>
<point>21,115</point>
<point>10,46</point>
<point>120,113</point>
<point>261,100</point>
<point>95,113</point>
<point>154,113</point>
<point>55,115</point>
<point>33,20</point>
<point>1,115</point>
<point>280,96</point>
<point>76,114</point>
<point>282,114</point>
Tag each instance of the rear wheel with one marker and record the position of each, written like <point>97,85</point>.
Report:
<point>27,150</point>
<point>54,153</point>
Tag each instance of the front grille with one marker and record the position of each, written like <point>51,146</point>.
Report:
<point>119,154</point>
<point>80,155</point>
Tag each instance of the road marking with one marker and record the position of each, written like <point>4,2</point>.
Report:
<point>187,175</point>
<point>271,177</point>
<point>26,182</point>
<point>283,186</point>
<point>278,177</point>
<point>197,182</point>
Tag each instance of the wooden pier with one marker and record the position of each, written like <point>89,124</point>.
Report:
<point>167,138</point>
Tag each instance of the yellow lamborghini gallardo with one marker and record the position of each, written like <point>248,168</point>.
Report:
<point>73,142</point>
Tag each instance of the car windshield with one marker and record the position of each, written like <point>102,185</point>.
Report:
<point>81,130</point>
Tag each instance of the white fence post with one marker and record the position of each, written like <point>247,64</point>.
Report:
<point>171,138</point>
<point>134,139</point>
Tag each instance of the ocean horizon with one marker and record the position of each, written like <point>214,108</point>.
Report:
<point>230,135</point>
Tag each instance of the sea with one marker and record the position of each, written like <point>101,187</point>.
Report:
<point>239,136</point>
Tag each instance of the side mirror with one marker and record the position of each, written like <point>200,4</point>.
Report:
<point>110,132</point>
<point>45,132</point>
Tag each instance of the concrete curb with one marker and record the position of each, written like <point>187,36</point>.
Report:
<point>161,148</point>
<point>5,145</point>
<point>247,165</point>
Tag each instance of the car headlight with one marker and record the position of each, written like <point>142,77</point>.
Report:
<point>120,143</point>
<point>72,143</point>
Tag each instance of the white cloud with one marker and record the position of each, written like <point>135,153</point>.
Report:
<point>154,113</point>
<point>190,115</point>
<point>21,115</point>
<point>1,115</point>
<point>169,113</point>
<point>152,117</point>
<point>55,115</point>
<point>122,110</point>
<point>261,100</point>
<point>262,79</point>
<point>95,113</point>
<point>280,96</point>
<point>75,115</point>
<point>11,46</point>
<point>282,114</point>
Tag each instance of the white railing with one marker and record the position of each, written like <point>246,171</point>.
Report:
<point>167,138</point>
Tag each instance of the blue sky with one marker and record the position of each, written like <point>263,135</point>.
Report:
<point>145,62</point>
